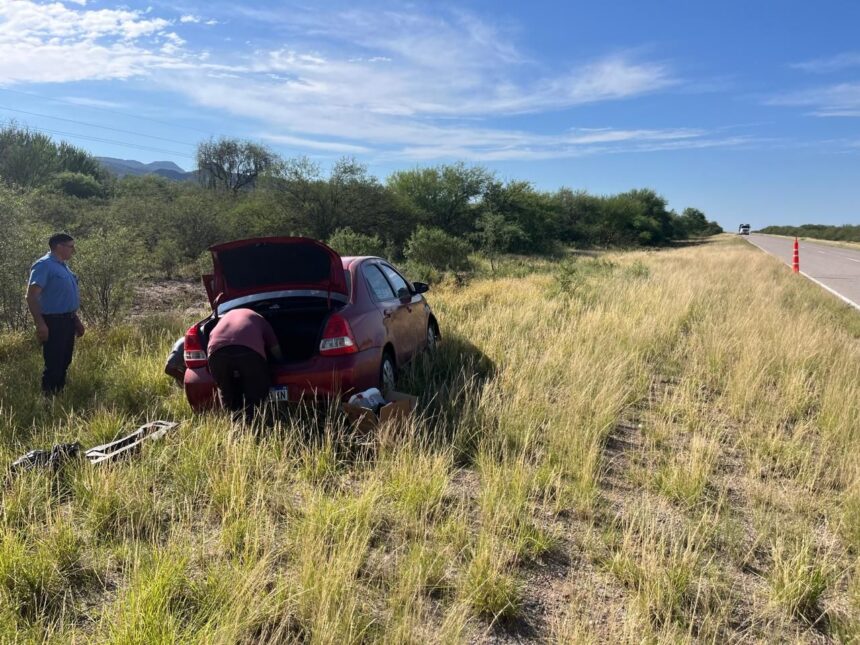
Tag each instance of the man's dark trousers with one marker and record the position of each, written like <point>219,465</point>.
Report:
<point>57,351</point>
<point>242,376</point>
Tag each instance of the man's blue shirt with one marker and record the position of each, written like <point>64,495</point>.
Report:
<point>59,285</point>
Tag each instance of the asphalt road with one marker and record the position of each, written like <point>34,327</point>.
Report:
<point>835,268</point>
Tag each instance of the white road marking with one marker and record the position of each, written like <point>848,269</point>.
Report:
<point>809,277</point>
<point>835,293</point>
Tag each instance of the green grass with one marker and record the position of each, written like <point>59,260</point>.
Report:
<point>613,450</point>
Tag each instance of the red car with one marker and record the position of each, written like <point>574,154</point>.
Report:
<point>344,324</point>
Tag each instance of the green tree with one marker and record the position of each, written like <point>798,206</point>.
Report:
<point>349,196</point>
<point>233,165</point>
<point>445,196</point>
<point>532,215</point>
<point>579,216</point>
<point>32,159</point>
<point>693,223</point>
<point>496,235</point>
<point>73,159</point>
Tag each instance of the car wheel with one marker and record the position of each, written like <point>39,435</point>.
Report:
<point>387,373</point>
<point>432,338</point>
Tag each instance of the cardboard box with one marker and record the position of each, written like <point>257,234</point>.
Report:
<point>399,406</point>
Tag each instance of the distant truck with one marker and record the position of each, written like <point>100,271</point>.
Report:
<point>744,229</point>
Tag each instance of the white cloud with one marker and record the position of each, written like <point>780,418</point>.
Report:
<point>397,83</point>
<point>839,62</point>
<point>52,43</point>
<point>410,104</point>
<point>313,144</point>
<point>839,100</point>
<point>97,103</point>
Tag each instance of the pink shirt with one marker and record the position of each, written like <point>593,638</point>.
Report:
<point>243,327</point>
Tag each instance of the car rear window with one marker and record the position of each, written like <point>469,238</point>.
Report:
<point>378,284</point>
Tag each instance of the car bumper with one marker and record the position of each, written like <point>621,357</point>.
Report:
<point>319,377</point>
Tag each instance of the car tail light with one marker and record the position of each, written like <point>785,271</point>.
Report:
<point>337,339</point>
<point>194,355</point>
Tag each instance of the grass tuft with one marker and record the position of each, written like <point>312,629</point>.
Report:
<point>798,578</point>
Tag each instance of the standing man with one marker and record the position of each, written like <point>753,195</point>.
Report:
<point>238,349</point>
<point>53,300</point>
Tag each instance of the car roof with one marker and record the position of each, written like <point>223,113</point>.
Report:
<point>349,260</point>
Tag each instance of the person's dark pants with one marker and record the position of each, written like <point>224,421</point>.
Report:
<point>243,378</point>
<point>57,351</point>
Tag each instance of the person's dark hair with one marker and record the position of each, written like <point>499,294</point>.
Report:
<point>59,238</point>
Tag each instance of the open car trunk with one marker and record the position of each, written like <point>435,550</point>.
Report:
<point>298,329</point>
<point>298,324</point>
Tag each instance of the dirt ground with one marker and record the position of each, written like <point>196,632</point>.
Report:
<point>169,296</point>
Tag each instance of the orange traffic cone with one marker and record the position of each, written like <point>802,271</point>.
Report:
<point>795,263</point>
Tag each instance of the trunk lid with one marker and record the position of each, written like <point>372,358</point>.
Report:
<point>265,264</point>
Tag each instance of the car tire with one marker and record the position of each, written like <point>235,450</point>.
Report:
<point>432,338</point>
<point>387,372</point>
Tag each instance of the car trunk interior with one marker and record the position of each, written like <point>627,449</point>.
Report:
<point>298,330</point>
<point>298,324</point>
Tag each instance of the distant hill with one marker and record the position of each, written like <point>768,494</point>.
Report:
<point>167,169</point>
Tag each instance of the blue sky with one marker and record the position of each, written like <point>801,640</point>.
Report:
<point>749,111</point>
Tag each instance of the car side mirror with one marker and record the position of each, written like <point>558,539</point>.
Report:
<point>421,287</point>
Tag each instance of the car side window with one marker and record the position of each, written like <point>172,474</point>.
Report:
<point>378,284</point>
<point>395,279</point>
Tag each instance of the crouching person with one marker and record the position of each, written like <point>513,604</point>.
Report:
<point>238,349</point>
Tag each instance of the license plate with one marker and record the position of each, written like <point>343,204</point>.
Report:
<point>278,393</point>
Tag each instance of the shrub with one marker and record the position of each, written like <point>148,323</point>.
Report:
<point>167,257</point>
<point>348,242</point>
<point>435,248</point>
<point>77,184</point>
<point>20,245</point>
<point>421,272</point>
<point>106,264</point>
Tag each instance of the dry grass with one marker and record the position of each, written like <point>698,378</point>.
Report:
<point>649,447</point>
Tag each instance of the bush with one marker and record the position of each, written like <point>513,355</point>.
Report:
<point>77,184</point>
<point>421,272</point>
<point>56,210</point>
<point>434,248</point>
<point>347,242</point>
<point>106,265</point>
<point>20,245</point>
<point>197,223</point>
<point>167,257</point>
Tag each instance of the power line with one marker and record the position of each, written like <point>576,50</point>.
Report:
<point>96,125</point>
<point>104,109</point>
<point>124,144</point>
